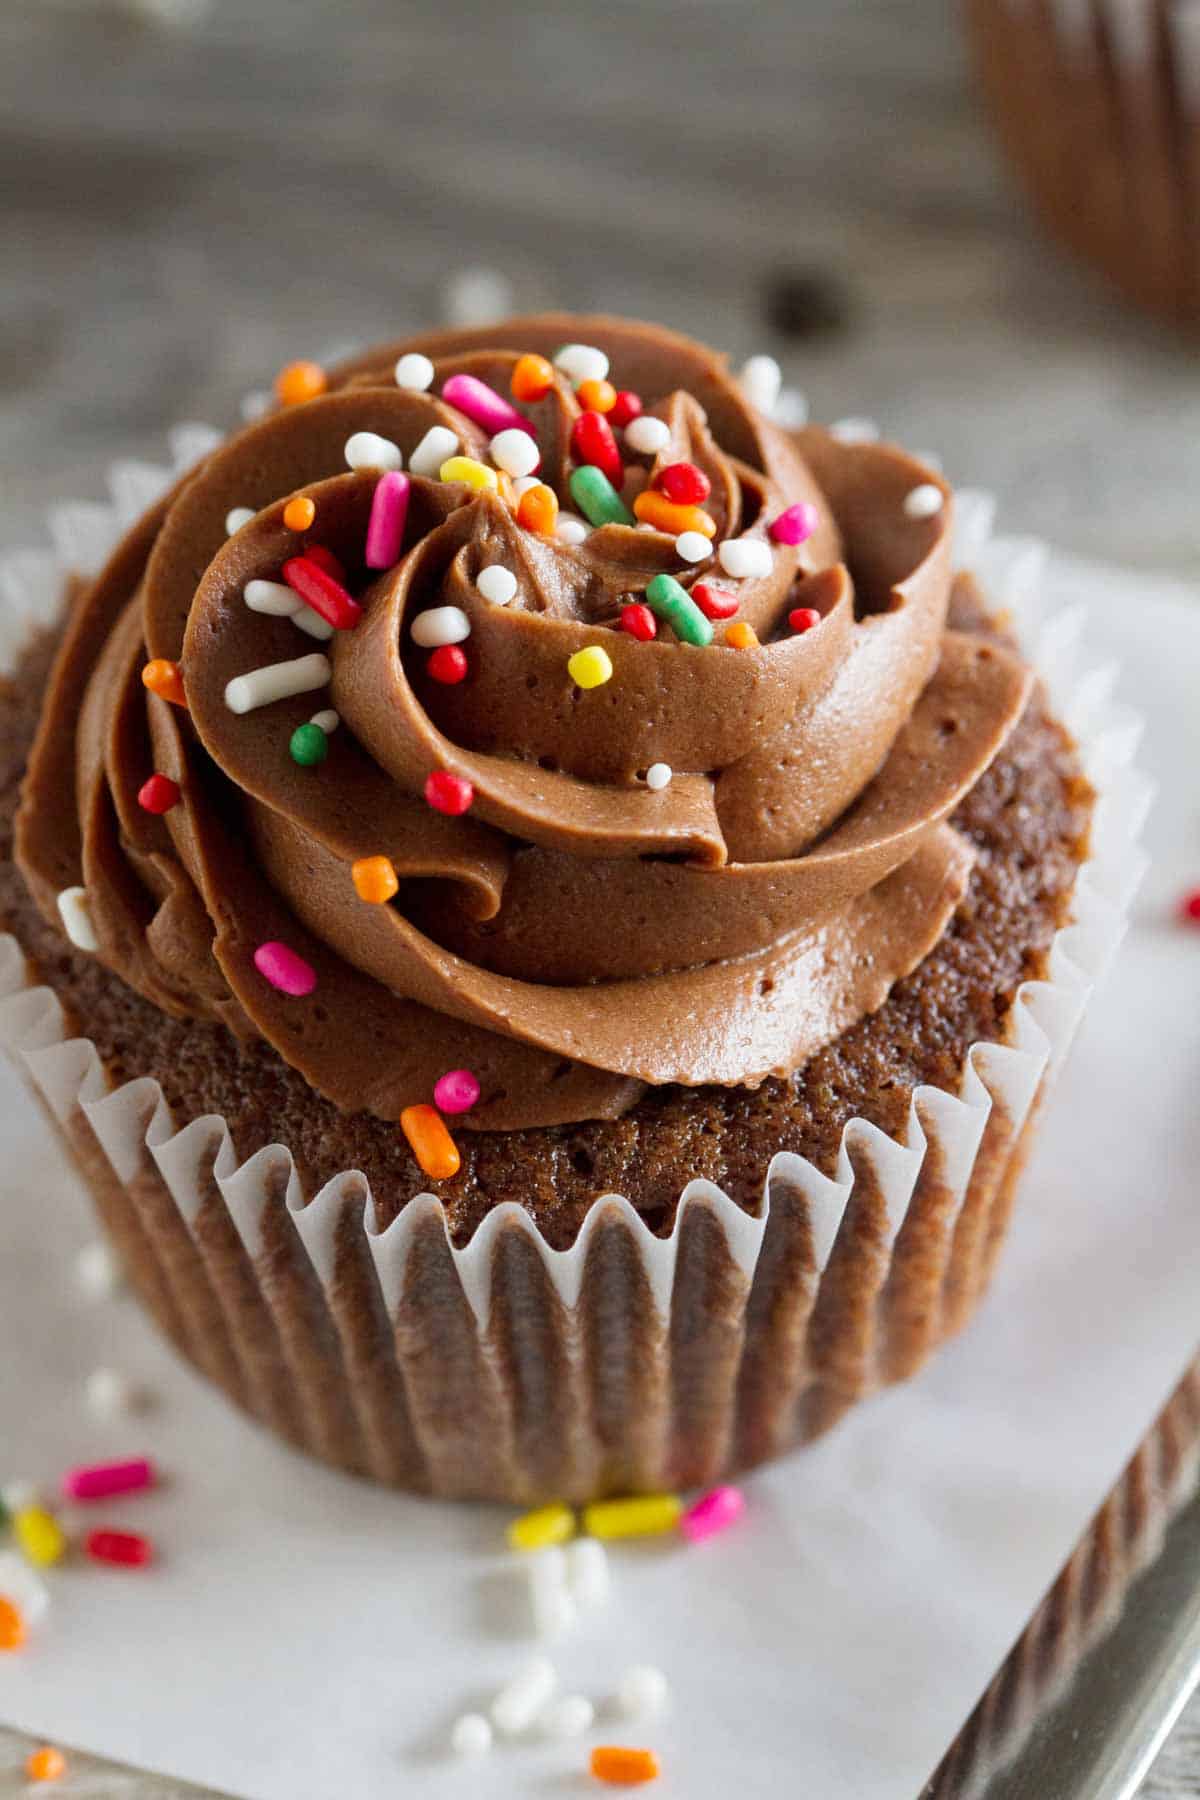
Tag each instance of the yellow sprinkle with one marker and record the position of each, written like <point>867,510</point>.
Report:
<point>591,667</point>
<point>649,1516</point>
<point>475,474</point>
<point>548,1525</point>
<point>40,1535</point>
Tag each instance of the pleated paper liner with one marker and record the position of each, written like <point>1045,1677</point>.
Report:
<point>1098,106</point>
<point>508,1370</point>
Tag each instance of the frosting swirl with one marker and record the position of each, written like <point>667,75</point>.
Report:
<point>577,933</point>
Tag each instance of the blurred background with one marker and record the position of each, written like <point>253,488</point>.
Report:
<point>195,191</point>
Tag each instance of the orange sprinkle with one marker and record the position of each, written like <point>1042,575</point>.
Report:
<point>430,1142</point>
<point>625,1768</point>
<point>740,636</point>
<point>12,1625</point>
<point>46,1764</point>
<point>596,396</point>
<point>655,509</point>
<point>532,378</point>
<point>538,509</point>
<point>299,513</point>
<point>300,381</point>
<point>165,679</point>
<point>374,879</point>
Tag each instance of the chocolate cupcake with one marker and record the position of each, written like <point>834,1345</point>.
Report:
<point>546,1001</point>
<point>1098,106</point>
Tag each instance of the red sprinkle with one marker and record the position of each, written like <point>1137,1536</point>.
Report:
<point>592,442</point>
<point>684,484</point>
<point>323,592</point>
<point>803,618</point>
<point>159,794</point>
<point>448,793</point>
<point>714,603</point>
<point>325,559</point>
<point>639,622</point>
<point>1189,907</point>
<point>127,1548</point>
<point>626,408</point>
<point>447,664</point>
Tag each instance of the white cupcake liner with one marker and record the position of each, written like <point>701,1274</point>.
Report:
<point>508,1369</point>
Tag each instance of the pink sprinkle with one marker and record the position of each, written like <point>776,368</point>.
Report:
<point>284,969</point>
<point>795,525</point>
<point>456,1092</point>
<point>385,530</point>
<point>98,1480</point>
<point>712,1513</point>
<point>484,405</point>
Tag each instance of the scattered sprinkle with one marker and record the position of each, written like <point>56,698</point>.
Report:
<point>803,618</point>
<point>693,546</point>
<point>471,1736</point>
<point>683,483</point>
<point>745,556</point>
<point>761,379</point>
<point>581,362</point>
<point>552,1524</point>
<point>164,679</point>
<point>515,452</point>
<point>389,513</point>
<point>593,443</point>
<point>924,502</point>
<point>240,515</point>
<point>590,667</point>
<point>447,793</point>
<point>285,970</point>
<point>714,602</point>
<point>299,513</point>
<point>327,720</point>
<point>438,443</point>
<point>277,681</point>
<point>24,1589</point>
<point>300,381</point>
<point>648,1515</point>
<point>97,1271</point>
<point>597,498</point>
<point>537,509</point>
<point>367,450</point>
<point>274,598</point>
<point>854,431</point>
<point>523,484</point>
<point>476,297</point>
<point>550,1604</point>
<point>597,396</point>
<point>440,625</point>
<point>430,1142</point>
<point>414,372</point>
<point>571,530</point>
<point>647,436</point>
<point>12,1625</point>
<point>374,879</point>
<point>484,406</point>
<point>1189,907</point>
<point>623,1767</point>
<point>447,665</point>
<point>625,408</point>
<point>158,794</point>
<point>588,1574</point>
<point>658,776</point>
<point>791,409</point>
<point>457,1091</point>
<point>532,378</point>
<point>308,746</point>
<point>108,1391</point>
<point>97,1481</point>
<point>520,1701</point>
<point>796,525</point>
<point>669,601</point>
<point>471,472</point>
<point>741,636</point>
<point>40,1536</point>
<point>713,1512</point>
<point>124,1549</point>
<point>639,622</point>
<point>75,911</point>
<point>254,405</point>
<point>653,508</point>
<point>570,1716</point>
<point>642,1692</point>
<point>326,560</point>
<point>45,1764</point>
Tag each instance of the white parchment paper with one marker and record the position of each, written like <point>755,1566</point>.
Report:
<point>305,1635</point>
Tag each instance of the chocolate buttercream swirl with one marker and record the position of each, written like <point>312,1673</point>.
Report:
<point>576,934</point>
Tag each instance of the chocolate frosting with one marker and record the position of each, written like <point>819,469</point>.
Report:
<point>576,934</point>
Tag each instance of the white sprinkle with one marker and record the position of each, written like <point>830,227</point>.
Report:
<point>515,452</point>
<point>854,431</point>
<point>647,436</point>
<point>523,483</point>
<point>108,1392</point>
<point>438,443</point>
<point>568,1717</point>
<point>20,1584</point>
<point>550,1603</point>
<point>761,380</point>
<point>476,297</point>
<point>76,914</point>
<point>658,776</point>
<point>327,720</point>
<point>367,450</point>
<point>693,546</point>
<point>277,681</point>
<point>571,530</point>
<point>274,597</point>
<point>97,1271</point>
<point>255,405</point>
<point>642,1692</point>
<point>239,516</point>
<point>471,1736</point>
<point>582,362</point>
<point>925,502</point>
<point>414,372</point>
<point>791,409</point>
<point>312,623</point>
<point>17,1495</point>
<point>497,584</point>
<point>518,1703</point>
<point>587,1559</point>
<point>745,556</point>
<point>440,625</point>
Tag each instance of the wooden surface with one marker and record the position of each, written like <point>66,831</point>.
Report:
<point>184,210</point>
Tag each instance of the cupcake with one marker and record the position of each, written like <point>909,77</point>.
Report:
<point>1098,106</point>
<point>523,894</point>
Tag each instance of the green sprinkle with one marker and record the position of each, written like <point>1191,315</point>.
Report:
<point>597,498</point>
<point>669,601</point>
<point>309,746</point>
